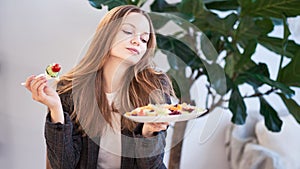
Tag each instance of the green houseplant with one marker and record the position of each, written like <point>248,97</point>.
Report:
<point>236,37</point>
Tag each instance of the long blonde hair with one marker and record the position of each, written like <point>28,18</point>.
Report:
<point>91,109</point>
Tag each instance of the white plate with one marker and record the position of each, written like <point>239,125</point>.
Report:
<point>167,118</point>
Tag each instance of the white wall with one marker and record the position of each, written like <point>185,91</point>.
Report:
<point>33,34</point>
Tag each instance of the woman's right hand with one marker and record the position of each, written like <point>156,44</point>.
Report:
<point>46,95</point>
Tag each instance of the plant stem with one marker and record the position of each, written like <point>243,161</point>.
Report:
<point>217,104</point>
<point>207,96</point>
<point>261,94</point>
<point>284,45</point>
<point>280,65</point>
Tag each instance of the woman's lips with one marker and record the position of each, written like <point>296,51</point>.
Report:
<point>135,51</point>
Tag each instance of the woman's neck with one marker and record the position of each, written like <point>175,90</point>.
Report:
<point>114,73</point>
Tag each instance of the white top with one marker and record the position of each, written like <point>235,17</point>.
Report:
<point>110,145</point>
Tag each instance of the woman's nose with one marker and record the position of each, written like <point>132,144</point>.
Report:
<point>135,40</point>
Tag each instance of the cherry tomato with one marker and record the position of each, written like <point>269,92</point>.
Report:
<point>56,67</point>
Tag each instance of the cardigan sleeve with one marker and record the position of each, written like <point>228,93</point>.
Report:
<point>150,151</point>
<point>63,141</point>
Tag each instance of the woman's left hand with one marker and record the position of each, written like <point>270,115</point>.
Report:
<point>150,128</point>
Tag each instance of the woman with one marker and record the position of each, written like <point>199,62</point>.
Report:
<point>84,127</point>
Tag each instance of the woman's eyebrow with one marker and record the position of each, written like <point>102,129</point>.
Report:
<point>134,27</point>
<point>129,24</point>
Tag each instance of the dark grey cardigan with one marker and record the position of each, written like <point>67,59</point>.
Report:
<point>68,149</point>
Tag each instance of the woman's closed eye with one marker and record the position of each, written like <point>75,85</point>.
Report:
<point>127,32</point>
<point>144,37</point>
<point>144,40</point>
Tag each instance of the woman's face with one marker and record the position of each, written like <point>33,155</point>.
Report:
<point>130,42</point>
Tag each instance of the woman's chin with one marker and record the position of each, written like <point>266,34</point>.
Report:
<point>132,60</point>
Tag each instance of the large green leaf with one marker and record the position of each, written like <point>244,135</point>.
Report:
<point>229,83</point>
<point>172,45</point>
<point>225,25</point>
<point>216,77</point>
<point>178,52</point>
<point>211,24</point>
<point>278,85</point>
<point>272,121</point>
<point>110,3</point>
<point>191,7</point>
<point>211,1</point>
<point>182,84</point>
<point>114,3</point>
<point>270,8</point>
<point>158,20</point>
<point>250,29</point>
<point>248,76</point>
<point>245,62</point>
<point>275,44</point>
<point>161,19</point>
<point>237,63</point>
<point>216,40</point>
<point>262,26</point>
<point>208,49</point>
<point>292,106</point>
<point>286,33</point>
<point>175,85</point>
<point>237,107</point>
<point>170,9</point>
<point>290,74</point>
<point>163,6</point>
<point>259,75</point>
<point>188,34</point>
<point>261,69</point>
<point>231,63</point>
<point>207,20</point>
<point>229,21</point>
<point>224,5</point>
